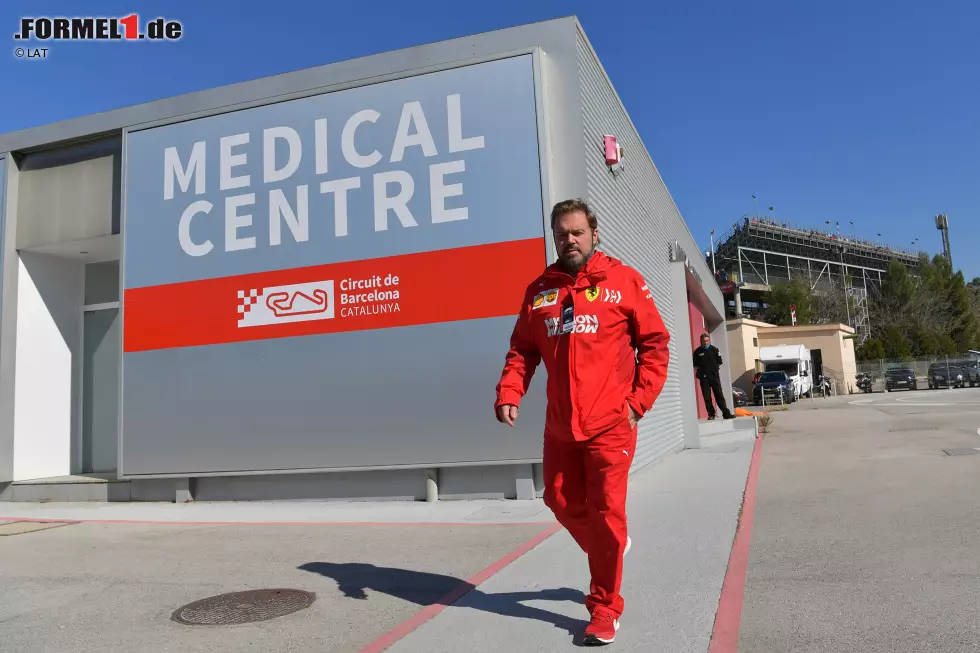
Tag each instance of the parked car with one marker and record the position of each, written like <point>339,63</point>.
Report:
<point>739,397</point>
<point>971,372</point>
<point>945,375</point>
<point>773,388</point>
<point>796,361</point>
<point>900,378</point>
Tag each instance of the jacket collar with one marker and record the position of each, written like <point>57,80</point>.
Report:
<point>593,272</point>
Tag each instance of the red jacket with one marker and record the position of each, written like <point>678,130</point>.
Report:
<point>616,353</point>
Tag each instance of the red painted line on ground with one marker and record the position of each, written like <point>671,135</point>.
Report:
<point>409,625</point>
<point>268,523</point>
<point>724,637</point>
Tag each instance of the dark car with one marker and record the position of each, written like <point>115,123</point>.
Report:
<point>739,397</point>
<point>971,372</point>
<point>945,375</point>
<point>774,388</point>
<point>900,378</point>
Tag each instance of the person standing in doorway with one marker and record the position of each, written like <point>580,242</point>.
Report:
<point>592,320</point>
<point>707,362</point>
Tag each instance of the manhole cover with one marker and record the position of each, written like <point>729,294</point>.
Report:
<point>243,607</point>
<point>910,429</point>
<point>961,452</point>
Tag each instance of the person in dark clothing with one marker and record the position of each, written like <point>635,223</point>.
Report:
<point>707,362</point>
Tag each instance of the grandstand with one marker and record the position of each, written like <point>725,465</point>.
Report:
<point>757,253</point>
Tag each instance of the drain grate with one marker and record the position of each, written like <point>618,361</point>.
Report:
<point>911,429</point>
<point>961,452</point>
<point>243,607</point>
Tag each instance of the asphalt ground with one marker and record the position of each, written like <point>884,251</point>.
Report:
<point>682,518</point>
<point>113,587</point>
<point>866,534</point>
<point>456,576</point>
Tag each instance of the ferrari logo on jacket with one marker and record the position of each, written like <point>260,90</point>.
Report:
<point>608,296</point>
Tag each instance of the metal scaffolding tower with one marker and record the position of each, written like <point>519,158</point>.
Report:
<point>758,253</point>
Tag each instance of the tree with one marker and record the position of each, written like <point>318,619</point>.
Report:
<point>928,310</point>
<point>973,288</point>
<point>783,295</point>
<point>898,287</point>
<point>895,342</point>
<point>961,323</point>
<point>829,306</point>
<point>871,350</point>
<point>923,341</point>
<point>947,346</point>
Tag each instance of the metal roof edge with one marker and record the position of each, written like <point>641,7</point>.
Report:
<point>838,326</point>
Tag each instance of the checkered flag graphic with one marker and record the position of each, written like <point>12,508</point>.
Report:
<point>246,299</point>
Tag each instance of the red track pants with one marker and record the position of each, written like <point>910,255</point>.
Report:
<point>585,486</point>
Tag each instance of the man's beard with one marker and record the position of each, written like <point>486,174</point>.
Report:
<point>573,266</point>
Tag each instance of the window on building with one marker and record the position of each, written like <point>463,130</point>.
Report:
<point>755,342</point>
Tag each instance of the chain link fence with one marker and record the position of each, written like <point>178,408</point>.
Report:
<point>928,372</point>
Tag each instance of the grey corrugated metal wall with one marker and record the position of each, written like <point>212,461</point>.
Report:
<point>641,223</point>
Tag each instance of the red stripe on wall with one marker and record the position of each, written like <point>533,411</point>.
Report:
<point>467,283</point>
<point>696,320</point>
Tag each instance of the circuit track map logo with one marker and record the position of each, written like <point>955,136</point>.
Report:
<point>91,28</point>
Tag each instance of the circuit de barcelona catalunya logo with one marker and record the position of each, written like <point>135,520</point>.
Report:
<point>298,302</point>
<point>315,300</point>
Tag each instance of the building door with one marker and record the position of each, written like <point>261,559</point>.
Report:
<point>816,358</point>
<point>696,320</point>
<point>100,387</point>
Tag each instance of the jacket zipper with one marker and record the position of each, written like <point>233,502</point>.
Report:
<point>575,416</point>
<point>572,381</point>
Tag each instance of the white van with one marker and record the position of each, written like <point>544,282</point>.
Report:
<point>795,361</point>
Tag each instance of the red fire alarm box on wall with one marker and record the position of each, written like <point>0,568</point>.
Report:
<point>614,153</point>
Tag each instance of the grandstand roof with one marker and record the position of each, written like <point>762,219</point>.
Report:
<point>781,237</point>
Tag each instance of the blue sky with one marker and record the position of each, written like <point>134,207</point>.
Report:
<point>863,111</point>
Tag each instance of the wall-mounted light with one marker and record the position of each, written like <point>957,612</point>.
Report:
<point>614,153</point>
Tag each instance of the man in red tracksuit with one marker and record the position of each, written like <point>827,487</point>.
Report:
<point>593,322</point>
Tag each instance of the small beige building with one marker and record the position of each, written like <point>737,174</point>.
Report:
<point>830,349</point>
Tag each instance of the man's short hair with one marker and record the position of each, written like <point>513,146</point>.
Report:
<point>571,206</point>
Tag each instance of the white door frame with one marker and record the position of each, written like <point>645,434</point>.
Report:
<point>87,308</point>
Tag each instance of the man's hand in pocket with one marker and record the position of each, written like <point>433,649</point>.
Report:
<point>634,418</point>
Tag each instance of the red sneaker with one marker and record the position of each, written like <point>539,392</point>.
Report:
<point>602,629</point>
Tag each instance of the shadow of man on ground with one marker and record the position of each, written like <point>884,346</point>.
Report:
<point>425,589</point>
